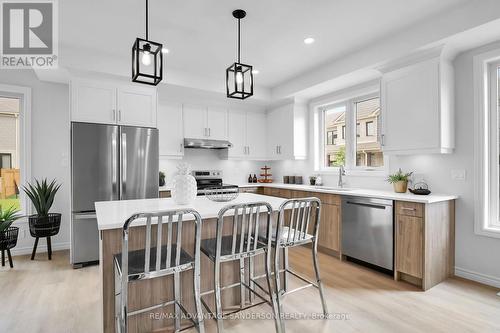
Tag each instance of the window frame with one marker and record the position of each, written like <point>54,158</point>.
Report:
<point>24,95</point>
<point>367,131</point>
<point>486,168</point>
<point>347,98</point>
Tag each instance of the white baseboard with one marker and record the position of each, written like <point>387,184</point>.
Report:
<point>478,277</point>
<point>18,251</point>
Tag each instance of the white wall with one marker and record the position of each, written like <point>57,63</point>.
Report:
<point>49,149</point>
<point>476,256</point>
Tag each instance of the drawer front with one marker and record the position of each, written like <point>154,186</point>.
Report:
<point>409,208</point>
<point>165,194</point>
<point>255,190</point>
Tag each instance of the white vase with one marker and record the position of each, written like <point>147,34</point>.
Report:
<point>184,188</point>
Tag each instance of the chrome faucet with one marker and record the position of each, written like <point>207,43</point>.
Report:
<point>341,173</point>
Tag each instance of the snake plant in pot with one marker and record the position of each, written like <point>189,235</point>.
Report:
<point>43,223</point>
<point>8,234</point>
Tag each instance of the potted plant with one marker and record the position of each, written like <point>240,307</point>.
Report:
<point>43,224</point>
<point>8,234</point>
<point>400,181</point>
<point>162,178</point>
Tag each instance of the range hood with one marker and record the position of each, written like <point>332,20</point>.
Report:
<point>207,144</point>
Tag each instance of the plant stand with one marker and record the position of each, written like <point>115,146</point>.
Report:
<point>44,227</point>
<point>8,240</point>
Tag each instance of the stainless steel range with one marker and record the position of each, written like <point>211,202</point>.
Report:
<point>209,179</point>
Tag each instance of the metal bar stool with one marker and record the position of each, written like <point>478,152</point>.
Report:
<point>156,261</point>
<point>242,243</point>
<point>295,233</point>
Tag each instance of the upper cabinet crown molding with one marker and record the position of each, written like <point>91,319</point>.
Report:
<point>417,102</point>
<point>109,102</point>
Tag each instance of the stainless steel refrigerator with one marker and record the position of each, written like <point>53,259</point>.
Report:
<point>108,162</point>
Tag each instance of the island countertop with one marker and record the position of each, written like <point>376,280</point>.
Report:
<point>113,214</point>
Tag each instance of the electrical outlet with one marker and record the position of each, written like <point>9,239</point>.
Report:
<point>458,174</point>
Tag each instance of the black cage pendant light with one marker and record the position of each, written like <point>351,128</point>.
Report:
<point>239,77</point>
<point>147,58</point>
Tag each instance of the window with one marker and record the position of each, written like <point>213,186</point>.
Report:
<point>334,153</point>
<point>487,144</point>
<point>358,146</point>
<point>370,128</point>
<point>15,148</point>
<point>9,152</point>
<point>368,148</point>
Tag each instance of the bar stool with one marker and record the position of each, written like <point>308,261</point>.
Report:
<point>295,233</point>
<point>144,264</point>
<point>242,243</point>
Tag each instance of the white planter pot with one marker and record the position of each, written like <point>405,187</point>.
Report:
<point>184,189</point>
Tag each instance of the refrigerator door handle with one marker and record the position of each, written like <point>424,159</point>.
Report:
<point>114,164</point>
<point>123,186</point>
<point>84,216</point>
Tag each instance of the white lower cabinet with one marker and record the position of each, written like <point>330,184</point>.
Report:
<point>171,135</point>
<point>109,102</point>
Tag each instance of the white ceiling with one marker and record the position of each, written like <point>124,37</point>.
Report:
<point>201,34</point>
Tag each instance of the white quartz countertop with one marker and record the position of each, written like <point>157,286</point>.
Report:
<point>113,214</point>
<point>382,194</point>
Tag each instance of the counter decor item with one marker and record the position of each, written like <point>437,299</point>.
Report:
<point>43,224</point>
<point>319,180</point>
<point>292,179</point>
<point>399,180</point>
<point>299,180</point>
<point>312,180</point>
<point>286,179</point>
<point>162,179</point>
<point>254,179</point>
<point>222,193</point>
<point>420,188</point>
<point>8,234</point>
<point>266,174</point>
<point>250,179</point>
<point>184,189</point>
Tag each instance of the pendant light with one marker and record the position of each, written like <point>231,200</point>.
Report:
<point>239,77</point>
<point>147,58</point>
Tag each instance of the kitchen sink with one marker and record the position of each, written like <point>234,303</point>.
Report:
<point>340,189</point>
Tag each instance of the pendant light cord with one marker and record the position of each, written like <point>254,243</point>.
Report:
<point>147,20</point>
<point>239,37</point>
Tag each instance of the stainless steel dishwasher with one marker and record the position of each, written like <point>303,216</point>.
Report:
<point>368,230</point>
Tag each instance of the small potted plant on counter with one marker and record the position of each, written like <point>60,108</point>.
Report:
<point>8,234</point>
<point>400,181</point>
<point>43,224</point>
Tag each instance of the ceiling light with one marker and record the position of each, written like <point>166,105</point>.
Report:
<point>255,71</point>
<point>309,40</point>
<point>165,50</point>
<point>239,77</point>
<point>147,58</point>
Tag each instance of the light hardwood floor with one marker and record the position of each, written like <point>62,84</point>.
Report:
<point>43,296</point>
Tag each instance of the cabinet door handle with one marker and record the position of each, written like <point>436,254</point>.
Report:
<point>248,150</point>
<point>209,131</point>
<point>113,114</point>
<point>205,133</point>
<point>119,115</point>
<point>409,209</point>
<point>382,139</point>
<point>180,148</point>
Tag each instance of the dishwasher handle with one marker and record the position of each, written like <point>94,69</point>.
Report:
<point>370,205</point>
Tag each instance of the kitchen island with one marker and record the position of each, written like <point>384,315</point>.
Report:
<point>111,216</point>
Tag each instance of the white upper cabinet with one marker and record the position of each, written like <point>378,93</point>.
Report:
<point>247,133</point>
<point>195,122</point>
<point>217,123</point>
<point>137,106</point>
<point>93,102</point>
<point>205,123</point>
<point>171,136</point>
<point>110,102</point>
<point>237,134</point>
<point>417,108</point>
<point>256,135</point>
<point>287,132</point>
